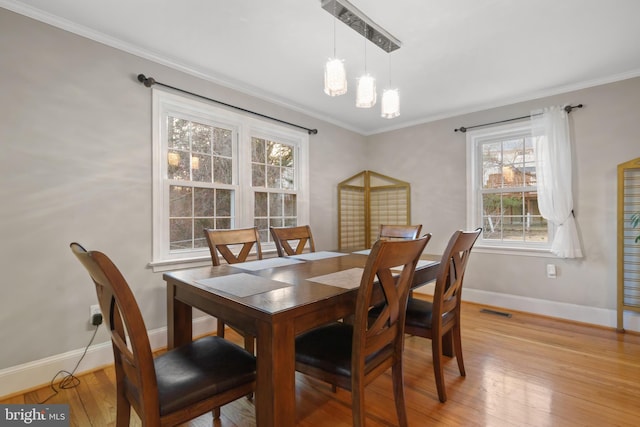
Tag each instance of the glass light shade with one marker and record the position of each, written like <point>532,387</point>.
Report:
<point>366,94</point>
<point>390,103</point>
<point>335,77</point>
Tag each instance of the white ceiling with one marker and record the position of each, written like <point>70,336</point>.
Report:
<point>457,56</point>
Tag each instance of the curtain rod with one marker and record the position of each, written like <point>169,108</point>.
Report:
<point>463,129</point>
<point>150,81</point>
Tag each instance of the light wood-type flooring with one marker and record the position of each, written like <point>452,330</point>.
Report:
<point>524,370</point>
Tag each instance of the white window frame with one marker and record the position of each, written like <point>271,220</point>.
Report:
<point>475,139</point>
<point>244,127</point>
<point>301,162</point>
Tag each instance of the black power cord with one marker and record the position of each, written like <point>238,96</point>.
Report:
<point>69,380</point>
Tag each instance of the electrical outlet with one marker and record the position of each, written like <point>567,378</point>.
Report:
<point>551,271</point>
<point>95,316</point>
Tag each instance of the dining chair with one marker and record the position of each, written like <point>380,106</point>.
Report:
<point>399,232</point>
<point>234,245</point>
<point>179,384</point>
<point>440,320</point>
<point>352,354</point>
<point>285,237</point>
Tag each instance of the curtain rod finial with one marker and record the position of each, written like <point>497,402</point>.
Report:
<point>147,81</point>
<point>569,108</point>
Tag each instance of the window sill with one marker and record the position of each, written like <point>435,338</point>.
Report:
<point>179,264</point>
<point>510,250</point>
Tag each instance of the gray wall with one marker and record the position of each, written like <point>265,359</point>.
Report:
<point>432,158</point>
<point>75,131</point>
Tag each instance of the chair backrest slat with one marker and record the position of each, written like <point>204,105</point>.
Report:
<point>223,241</point>
<point>399,232</point>
<point>300,236</point>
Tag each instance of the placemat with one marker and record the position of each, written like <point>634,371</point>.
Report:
<point>363,252</point>
<point>347,279</point>
<point>241,284</point>
<point>261,264</point>
<point>318,255</point>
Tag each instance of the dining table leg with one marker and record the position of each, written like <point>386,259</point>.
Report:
<point>179,320</point>
<point>275,398</point>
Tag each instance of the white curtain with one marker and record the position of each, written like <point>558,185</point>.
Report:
<point>552,145</point>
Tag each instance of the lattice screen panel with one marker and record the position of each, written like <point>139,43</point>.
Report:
<point>367,200</point>
<point>628,248</point>
<point>352,215</point>
<point>388,206</point>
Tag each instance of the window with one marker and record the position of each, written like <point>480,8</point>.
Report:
<point>503,197</point>
<point>273,176</point>
<point>213,168</point>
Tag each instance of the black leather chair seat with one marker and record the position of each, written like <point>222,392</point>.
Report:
<point>329,348</point>
<point>182,380</point>
<point>419,313</point>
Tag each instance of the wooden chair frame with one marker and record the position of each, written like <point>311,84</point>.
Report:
<point>221,241</point>
<point>396,232</point>
<point>136,376</point>
<point>283,237</point>
<point>376,344</point>
<point>445,309</point>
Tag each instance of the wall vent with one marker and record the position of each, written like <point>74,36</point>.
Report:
<point>496,312</point>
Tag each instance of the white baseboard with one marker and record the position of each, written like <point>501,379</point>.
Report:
<point>40,372</point>
<point>577,313</point>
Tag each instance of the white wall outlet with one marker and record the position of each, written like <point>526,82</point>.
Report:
<point>551,271</point>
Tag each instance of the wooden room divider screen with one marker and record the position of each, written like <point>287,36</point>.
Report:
<point>628,239</point>
<point>367,200</point>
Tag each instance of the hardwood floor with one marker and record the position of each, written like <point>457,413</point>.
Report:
<point>525,370</point>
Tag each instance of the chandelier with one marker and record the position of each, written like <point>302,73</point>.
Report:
<point>335,77</point>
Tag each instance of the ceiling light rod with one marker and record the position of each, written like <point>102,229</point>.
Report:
<point>361,23</point>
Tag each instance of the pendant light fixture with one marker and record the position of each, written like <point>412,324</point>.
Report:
<point>366,93</point>
<point>335,76</point>
<point>335,81</point>
<point>390,105</point>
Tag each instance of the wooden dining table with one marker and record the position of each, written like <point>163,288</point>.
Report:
<point>275,299</point>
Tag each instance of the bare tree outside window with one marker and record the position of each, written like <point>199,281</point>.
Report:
<point>273,177</point>
<point>199,157</point>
